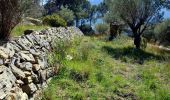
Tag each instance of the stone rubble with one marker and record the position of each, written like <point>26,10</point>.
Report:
<point>24,69</point>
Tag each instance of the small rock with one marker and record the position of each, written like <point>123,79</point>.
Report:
<point>43,74</point>
<point>1,62</point>
<point>36,67</point>
<point>27,73</point>
<point>26,66</point>
<point>24,96</point>
<point>20,82</point>
<point>29,89</point>
<point>27,80</point>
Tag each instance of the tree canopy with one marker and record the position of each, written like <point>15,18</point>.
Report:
<point>137,14</point>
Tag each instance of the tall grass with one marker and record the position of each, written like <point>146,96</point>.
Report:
<point>95,72</point>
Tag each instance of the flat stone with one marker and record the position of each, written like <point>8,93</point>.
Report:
<point>27,57</point>
<point>10,49</point>
<point>7,78</point>
<point>3,53</point>
<point>2,94</point>
<point>20,82</point>
<point>26,66</point>
<point>18,72</point>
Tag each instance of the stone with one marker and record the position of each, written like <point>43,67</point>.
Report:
<point>27,57</point>
<point>35,78</point>
<point>3,53</point>
<point>50,72</point>
<point>29,89</point>
<point>34,52</point>
<point>24,43</point>
<point>43,74</point>
<point>36,67</point>
<point>2,94</point>
<point>10,49</point>
<point>27,80</point>
<point>1,62</point>
<point>15,46</point>
<point>7,78</point>
<point>24,96</point>
<point>19,82</point>
<point>18,72</point>
<point>27,73</point>
<point>26,66</point>
<point>42,62</point>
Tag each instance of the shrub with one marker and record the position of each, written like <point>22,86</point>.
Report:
<point>102,28</point>
<point>54,21</point>
<point>87,29</point>
<point>162,31</point>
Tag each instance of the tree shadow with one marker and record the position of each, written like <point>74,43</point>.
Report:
<point>132,55</point>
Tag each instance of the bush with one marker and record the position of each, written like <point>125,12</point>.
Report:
<point>87,29</point>
<point>54,21</point>
<point>102,28</point>
<point>162,31</point>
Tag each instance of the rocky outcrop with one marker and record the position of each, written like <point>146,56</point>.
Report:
<point>24,69</point>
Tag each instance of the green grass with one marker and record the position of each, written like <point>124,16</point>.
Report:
<point>19,30</point>
<point>115,70</point>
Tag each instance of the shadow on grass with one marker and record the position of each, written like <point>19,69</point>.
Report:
<point>132,55</point>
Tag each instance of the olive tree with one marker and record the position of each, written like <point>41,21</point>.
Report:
<point>137,14</point>
<point>11,12</point>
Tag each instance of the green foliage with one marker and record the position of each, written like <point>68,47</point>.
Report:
<point>137,14</point>
<point>104,76</point>
<point>87,29</point>
<point>67,15</point>
<point>102,28</point>
<point>162,31</point>
<point>54,21</point>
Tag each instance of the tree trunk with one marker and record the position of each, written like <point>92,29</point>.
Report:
<point>77,22</point>
<point>137,41</point>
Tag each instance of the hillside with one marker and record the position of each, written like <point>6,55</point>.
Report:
<point>95,69</point>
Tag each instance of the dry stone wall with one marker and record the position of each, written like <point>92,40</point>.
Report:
<point>24,70</point>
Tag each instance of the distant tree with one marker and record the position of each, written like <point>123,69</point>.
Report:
<point>67,15</point>
<point>137,14</point>
<point>162,31</point>
<point>33,8</point>
<point>75,5</point>
<point>92,14</point>
<point>102,9</point>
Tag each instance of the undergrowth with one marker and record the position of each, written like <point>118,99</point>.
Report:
<point>19,30</point>
<point>98,70</point>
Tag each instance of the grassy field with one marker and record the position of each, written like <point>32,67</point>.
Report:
<point>100,70</point>
<point>19,30</point>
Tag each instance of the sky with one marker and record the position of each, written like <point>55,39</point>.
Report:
<point>166,14</point>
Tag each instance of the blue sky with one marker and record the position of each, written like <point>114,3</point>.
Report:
<point>166,15</point>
